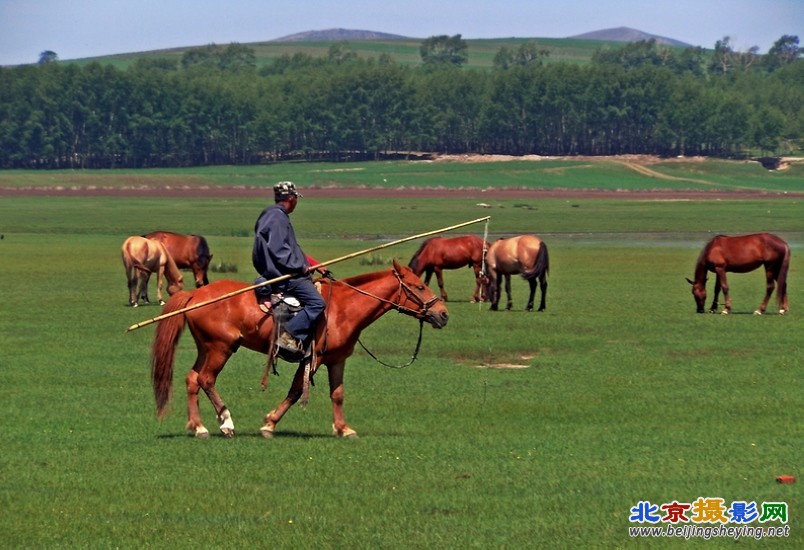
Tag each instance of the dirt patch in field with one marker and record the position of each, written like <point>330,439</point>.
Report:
<point>507,365</point>
<point>502,366</point>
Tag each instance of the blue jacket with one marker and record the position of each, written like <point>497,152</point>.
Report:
<point>276,251</point>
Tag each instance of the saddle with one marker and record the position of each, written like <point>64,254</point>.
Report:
<point>282,308</point>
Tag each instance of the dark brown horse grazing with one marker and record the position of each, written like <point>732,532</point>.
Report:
<point>740,255</point>
<point>219,329</point>
<point>439,253</point>
<point>525,255</point>
<point>141,257</point>
<point>188,251</point>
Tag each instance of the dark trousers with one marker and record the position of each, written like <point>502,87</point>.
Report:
<point>302,326</point>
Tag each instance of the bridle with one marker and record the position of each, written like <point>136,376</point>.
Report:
<point>404,288</point>
<point>420,314</point>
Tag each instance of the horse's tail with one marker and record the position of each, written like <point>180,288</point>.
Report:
<point>415,261</point>
<point>163,352</point>
<point>130,259</point>
<point>542,264</point>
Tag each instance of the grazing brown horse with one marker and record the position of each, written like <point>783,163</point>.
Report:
<point>220,328</point>
<point>188,251</point>
<point>740,255</point>
<point>525,255</point>
<point>439,253</point>
<point>141,257</point>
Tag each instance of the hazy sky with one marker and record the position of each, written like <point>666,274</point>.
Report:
<point>88,28</point>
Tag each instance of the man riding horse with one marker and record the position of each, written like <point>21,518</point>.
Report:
<point>276,253</point>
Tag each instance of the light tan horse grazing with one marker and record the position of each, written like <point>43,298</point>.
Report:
<point>525,255</point>
<point>141,257</point>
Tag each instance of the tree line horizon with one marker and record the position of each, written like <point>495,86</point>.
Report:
<point>214,106</point>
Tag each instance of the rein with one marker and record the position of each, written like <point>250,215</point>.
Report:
<point>425,306</point>
<point>412,357</point>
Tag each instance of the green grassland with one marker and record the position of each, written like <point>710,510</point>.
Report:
<point>618,393</point>
<point>581,174</point>
<point>481,52</point>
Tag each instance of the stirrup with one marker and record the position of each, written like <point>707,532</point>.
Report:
<point>289,343</point>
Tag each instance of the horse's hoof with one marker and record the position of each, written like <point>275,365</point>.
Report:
<point>782,311</point>
<point>346,433</point>
<point>161,302</point>
<point>228,433</point>
<point>267,432</point>
<point>201,433</point>
<point>724,312</point>
<point>757,312</point>
<point>135,305</point>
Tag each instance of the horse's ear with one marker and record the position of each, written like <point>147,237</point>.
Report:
<point>690,282</point>
<point>397,267</point>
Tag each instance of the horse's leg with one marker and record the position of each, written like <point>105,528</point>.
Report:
<point>428,274</point>
<point>144,277</point>
<point>294,393</point>
<point>194,424</point>
<point>715,294</point>
<point>543,288</point>
<point>724,286</point>
<point>532,285</point>
<point>494,292</point>
<point>476,297</point>
<point>781,290</point>
<point>211,364</point>
<point>160,274</point>
<point>339,426</point>
<point>440,280</point>
<point>770,284</point>
<point>131,276</point>
<point>510,303</point>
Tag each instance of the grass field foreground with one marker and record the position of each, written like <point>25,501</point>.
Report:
<point>511,429</point>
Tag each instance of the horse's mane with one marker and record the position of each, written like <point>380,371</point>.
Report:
<point>413,264</point>
<point>202,249</point>
<point>700,263</point>
<point>364,278</point>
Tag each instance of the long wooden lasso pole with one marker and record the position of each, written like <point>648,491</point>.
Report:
<point>483,262</point>
<point>284,277</point>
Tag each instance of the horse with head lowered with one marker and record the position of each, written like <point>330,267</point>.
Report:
<point>740,255</point>
<point>439,253</point>
<point>524,255</point>
<point>141,257</point>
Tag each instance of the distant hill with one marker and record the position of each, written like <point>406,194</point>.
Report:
<point>618,34</point>
<point>625,34</point>
<point>336,35</point>
<point>405,50</point>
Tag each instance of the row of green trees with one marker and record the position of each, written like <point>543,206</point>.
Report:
<point>215,107</point>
